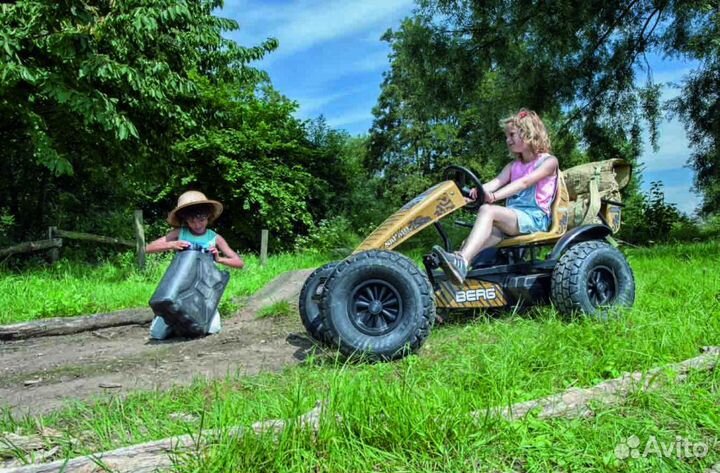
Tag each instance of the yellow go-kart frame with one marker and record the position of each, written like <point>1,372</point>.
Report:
<point>378,303</point>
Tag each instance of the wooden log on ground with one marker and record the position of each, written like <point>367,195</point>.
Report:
<point>94,238</point>
<point>67,325</point>
<point>156,455</point>
<point>29,246</point>
<point>153,456</point>
<point>576,402</point>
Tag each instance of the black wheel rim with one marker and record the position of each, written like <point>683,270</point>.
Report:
<point>375,307</point>
<point>602,286</point>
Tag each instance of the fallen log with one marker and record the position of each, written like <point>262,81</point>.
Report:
<point>151,456</point>
<point>576,402</point>
<point>158,455</point>
<point>67,325</point>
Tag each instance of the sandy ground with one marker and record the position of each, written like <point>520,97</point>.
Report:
<point>40,374</point>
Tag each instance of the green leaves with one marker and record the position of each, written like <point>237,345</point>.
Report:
<point>91,91</point>
<point>457,66</point>
<point>254,160</point>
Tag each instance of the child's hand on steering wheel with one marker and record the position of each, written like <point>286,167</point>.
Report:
<point>473,194</point>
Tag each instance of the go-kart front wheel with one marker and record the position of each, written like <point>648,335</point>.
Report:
<point>309,303</point>
<point>378,304</point>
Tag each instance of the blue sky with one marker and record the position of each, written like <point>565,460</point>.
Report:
<point>331,60</point>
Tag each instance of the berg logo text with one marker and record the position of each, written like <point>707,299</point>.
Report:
<point>473,295</point>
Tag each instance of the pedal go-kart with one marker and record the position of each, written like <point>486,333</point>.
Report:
<point>380,304</point>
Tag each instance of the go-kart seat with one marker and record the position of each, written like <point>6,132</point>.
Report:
<point>558,225</point>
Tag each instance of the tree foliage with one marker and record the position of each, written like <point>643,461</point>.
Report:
<point>259,160</point>
<point>109,106</point>
<point>89,93</point>
<point>696,34</point>
<point>458,66</point>
<point>650,219</point>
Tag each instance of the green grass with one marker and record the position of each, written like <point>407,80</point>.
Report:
<point>414,414</point>
<point>276,309</point>
<point>68,289</point>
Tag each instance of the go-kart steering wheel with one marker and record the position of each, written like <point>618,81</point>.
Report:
<point>465,179</point>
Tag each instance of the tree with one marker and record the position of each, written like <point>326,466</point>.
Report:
<point>114,105</point>
<point>696,34</point>
<point>92,95</point>
<point>253,159</point>
<point>458,66</point>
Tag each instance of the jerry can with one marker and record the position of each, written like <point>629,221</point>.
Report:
<point>189,292</point>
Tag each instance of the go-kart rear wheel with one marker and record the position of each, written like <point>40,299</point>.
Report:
<point>592,277</point>
<point>378,304</point>
<point>309,303</point>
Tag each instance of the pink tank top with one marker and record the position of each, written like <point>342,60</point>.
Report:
<point>545,188</point>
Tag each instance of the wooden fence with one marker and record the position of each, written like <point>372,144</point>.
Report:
<point>55,241</point>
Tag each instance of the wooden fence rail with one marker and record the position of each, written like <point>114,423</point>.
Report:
<point>29,246</point>
<point>55,241</point>
<point>95,238</point>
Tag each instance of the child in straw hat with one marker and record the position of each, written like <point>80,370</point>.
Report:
<point>193,213</point>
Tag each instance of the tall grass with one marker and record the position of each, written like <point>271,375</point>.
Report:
<point>69,288</point>
<point>415,414</point>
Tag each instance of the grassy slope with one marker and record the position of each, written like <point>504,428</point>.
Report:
<point>413,415</point>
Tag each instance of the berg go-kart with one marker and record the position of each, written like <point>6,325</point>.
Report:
<point>380,304</point>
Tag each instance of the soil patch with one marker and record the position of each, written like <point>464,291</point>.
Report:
<point>40,374</point>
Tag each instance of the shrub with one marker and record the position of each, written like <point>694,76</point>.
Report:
<point>333,235</point>
<point>7,221</point>
<point>648,219</point>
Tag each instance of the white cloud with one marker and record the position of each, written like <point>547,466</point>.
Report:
<point>352,118</point>
<point>310,105</point>
<point>372,62</point>
<point>681,196</point>
<point>673,148</point>
<point>307,23</point>
<point>313,103</point>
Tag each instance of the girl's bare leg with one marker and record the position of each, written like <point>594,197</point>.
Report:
<point>492,223</point>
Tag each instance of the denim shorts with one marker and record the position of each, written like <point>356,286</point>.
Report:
<point>531,220</point>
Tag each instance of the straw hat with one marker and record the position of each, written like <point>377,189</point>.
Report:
<point>190,198</point>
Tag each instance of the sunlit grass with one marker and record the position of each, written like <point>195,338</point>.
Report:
<point>415,414</point>
<point>276,309</point>
<point>68,289</point>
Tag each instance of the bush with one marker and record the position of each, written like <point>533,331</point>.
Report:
<point>685,230</point>
<point>648,219</point>
<point>7,221</point>
<point>333,235</point>
<point>710,228</point>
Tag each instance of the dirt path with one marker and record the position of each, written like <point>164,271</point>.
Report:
<point>39,374</point>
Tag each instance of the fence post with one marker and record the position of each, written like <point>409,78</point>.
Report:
<point>54,253</point>
<point>263,246</point>
<point>139,238</point>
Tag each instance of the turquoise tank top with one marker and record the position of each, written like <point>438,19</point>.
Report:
<point>198,242</point>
